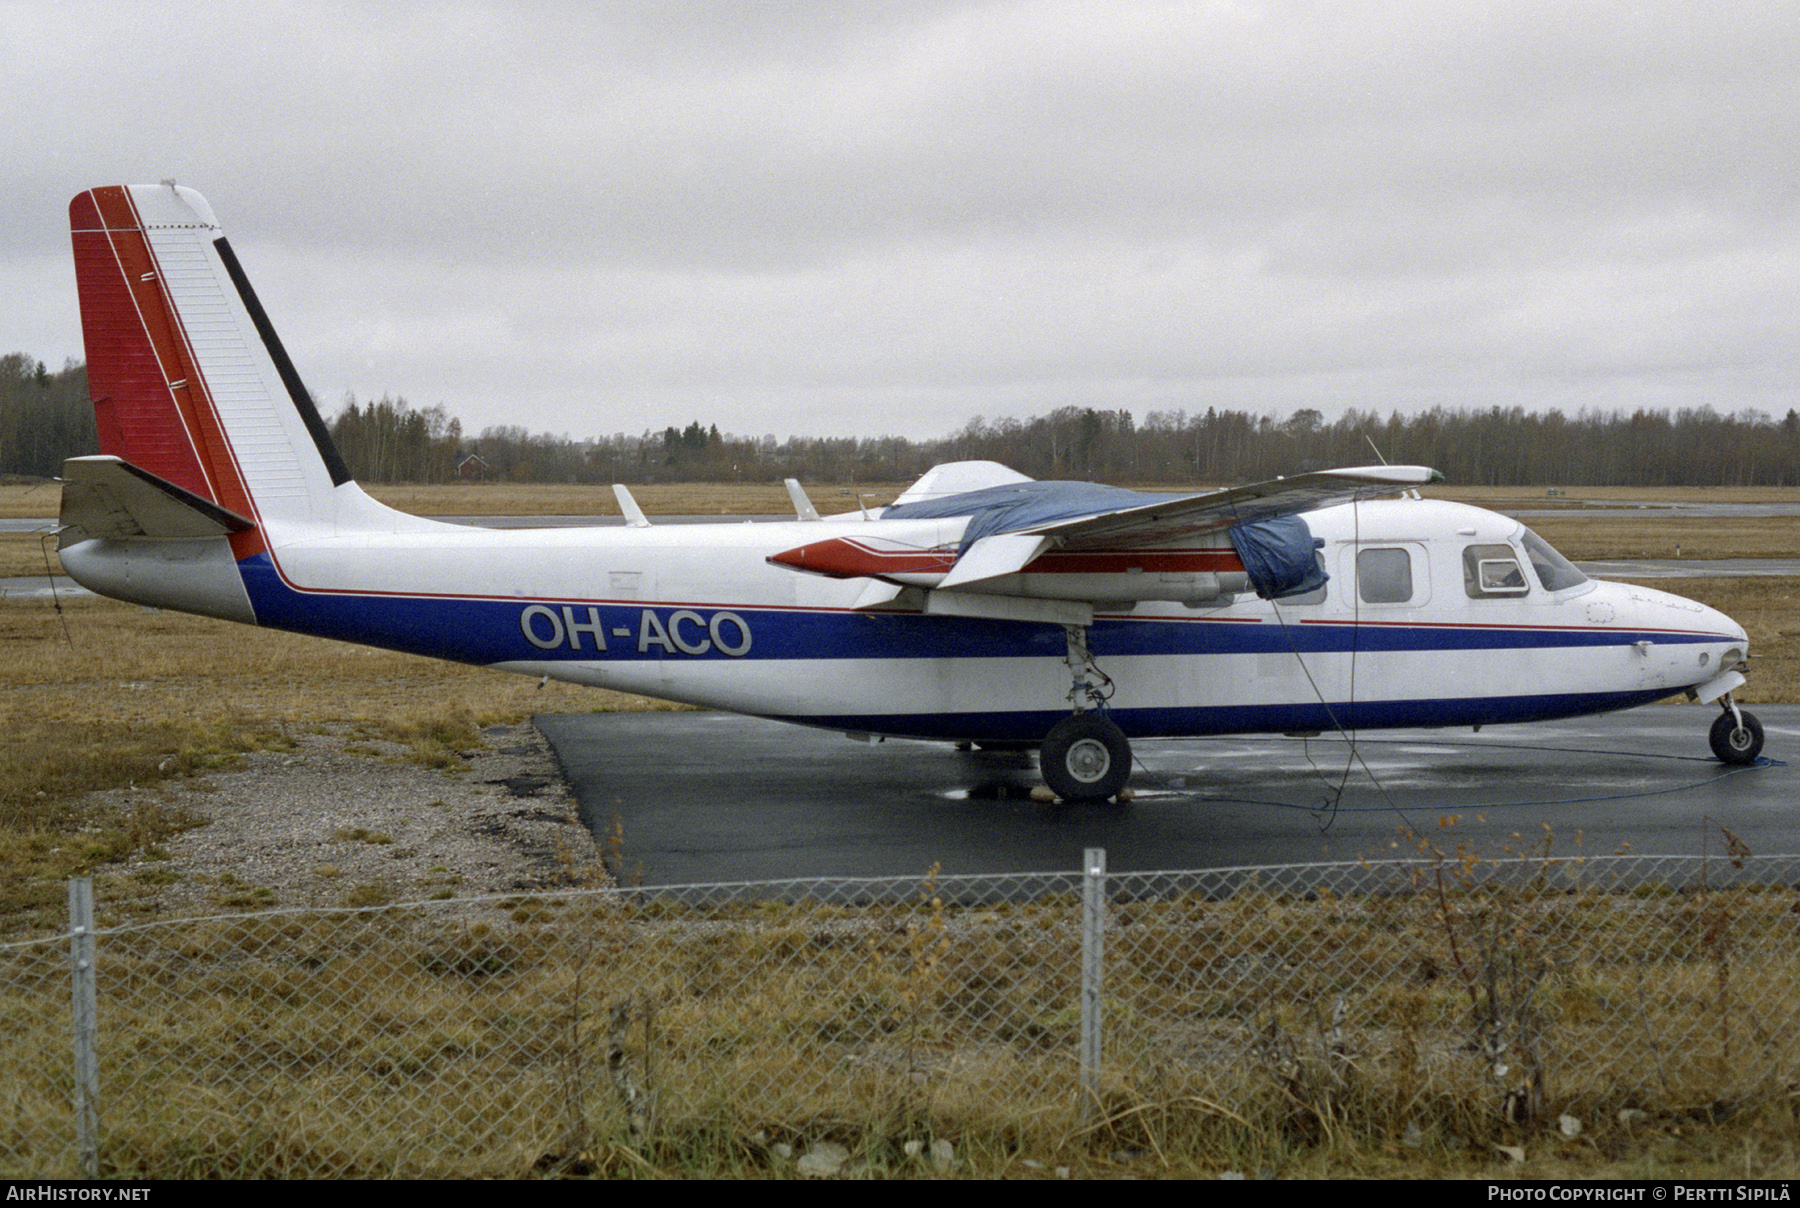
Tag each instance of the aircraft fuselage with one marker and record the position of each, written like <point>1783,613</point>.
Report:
<point>1404,634</point>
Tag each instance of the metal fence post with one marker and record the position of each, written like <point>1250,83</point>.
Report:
<point>81,978</point>
<point>1093,932</point>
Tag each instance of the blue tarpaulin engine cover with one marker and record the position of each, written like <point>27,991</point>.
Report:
<point>1278,556</point>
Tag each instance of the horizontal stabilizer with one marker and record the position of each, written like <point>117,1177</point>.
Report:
<point>108,498</point>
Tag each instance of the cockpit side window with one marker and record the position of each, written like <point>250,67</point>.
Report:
<point>1384,576</point>
<point>1493,570</point>
<point>1553,570</point>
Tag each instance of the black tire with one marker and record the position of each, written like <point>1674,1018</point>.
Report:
<point>1085,757</point>
<point>1733,743</point>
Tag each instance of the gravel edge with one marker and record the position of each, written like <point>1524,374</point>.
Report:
<point>344,820</point>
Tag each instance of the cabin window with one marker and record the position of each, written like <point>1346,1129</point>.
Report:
<point>1493,570</point>
<point>1316,596</point>
<point>1553,570</point>
<point>1384,576</point>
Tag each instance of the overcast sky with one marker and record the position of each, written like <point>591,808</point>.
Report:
<point>859,217</point>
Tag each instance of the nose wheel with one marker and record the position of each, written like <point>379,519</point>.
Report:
<point>1737,737</point>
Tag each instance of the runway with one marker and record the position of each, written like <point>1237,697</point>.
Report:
<point>704,797</point>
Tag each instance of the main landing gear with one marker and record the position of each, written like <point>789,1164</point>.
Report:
<point>1085,757</point>
<point>1737,737</point>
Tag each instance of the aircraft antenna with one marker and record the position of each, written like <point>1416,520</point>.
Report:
<point>1409,494</point>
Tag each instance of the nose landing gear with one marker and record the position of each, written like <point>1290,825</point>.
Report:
<point>1737,737</point>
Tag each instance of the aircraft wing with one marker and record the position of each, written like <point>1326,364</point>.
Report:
<point>1063,532</point>
<point>1179,518</point>
<point>1191,515</point>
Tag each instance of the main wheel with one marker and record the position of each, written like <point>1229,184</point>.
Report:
<point>1734,743</point>
<point>1085,757</point>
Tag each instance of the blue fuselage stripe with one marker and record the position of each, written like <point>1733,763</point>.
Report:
<point>486,631</point>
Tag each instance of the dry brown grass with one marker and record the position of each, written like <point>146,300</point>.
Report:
<point>27,554</point>
<point>1540,497</point>
<point>471,1044</point>
<point>33,500</point>
<point>126,695</point>
<point>41,500</point>
<point>1769,610</point>
<point>1605,535</point>
<point>109,695</point>
<point>657,499</point>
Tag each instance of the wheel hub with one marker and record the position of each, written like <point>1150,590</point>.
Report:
<point>1088,760</point>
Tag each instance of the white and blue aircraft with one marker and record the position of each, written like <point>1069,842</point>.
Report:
<point>981,607</point>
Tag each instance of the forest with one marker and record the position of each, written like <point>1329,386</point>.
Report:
<point>46,416</point>
<point>389,441</point>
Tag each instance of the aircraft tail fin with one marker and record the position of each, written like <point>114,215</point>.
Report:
<point>190,382</point>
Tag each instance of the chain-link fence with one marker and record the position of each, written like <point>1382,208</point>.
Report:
<point>706,1026</point>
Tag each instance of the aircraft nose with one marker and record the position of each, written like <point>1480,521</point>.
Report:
<point>1714,621</point>
<point>1737,631</point>
<point>1681,614</point>
<point>1730,639</point>
<point>1682,638</point>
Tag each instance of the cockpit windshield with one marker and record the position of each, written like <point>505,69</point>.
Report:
<point>1554,571</point>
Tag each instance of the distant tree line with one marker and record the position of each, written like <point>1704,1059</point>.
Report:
<point>389,441</point>
<point>45,417</point>
<point>1499,446</point>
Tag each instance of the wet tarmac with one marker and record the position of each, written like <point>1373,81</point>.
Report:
<point>704,797</point>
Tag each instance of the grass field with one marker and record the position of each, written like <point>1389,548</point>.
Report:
<point>95,694</point>
<point>1259,1030</point>
<point>99,694</point>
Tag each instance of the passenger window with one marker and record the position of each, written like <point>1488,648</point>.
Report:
<point>1316,596</point>
<point>1493,570</point>
<point>1384,576</point>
